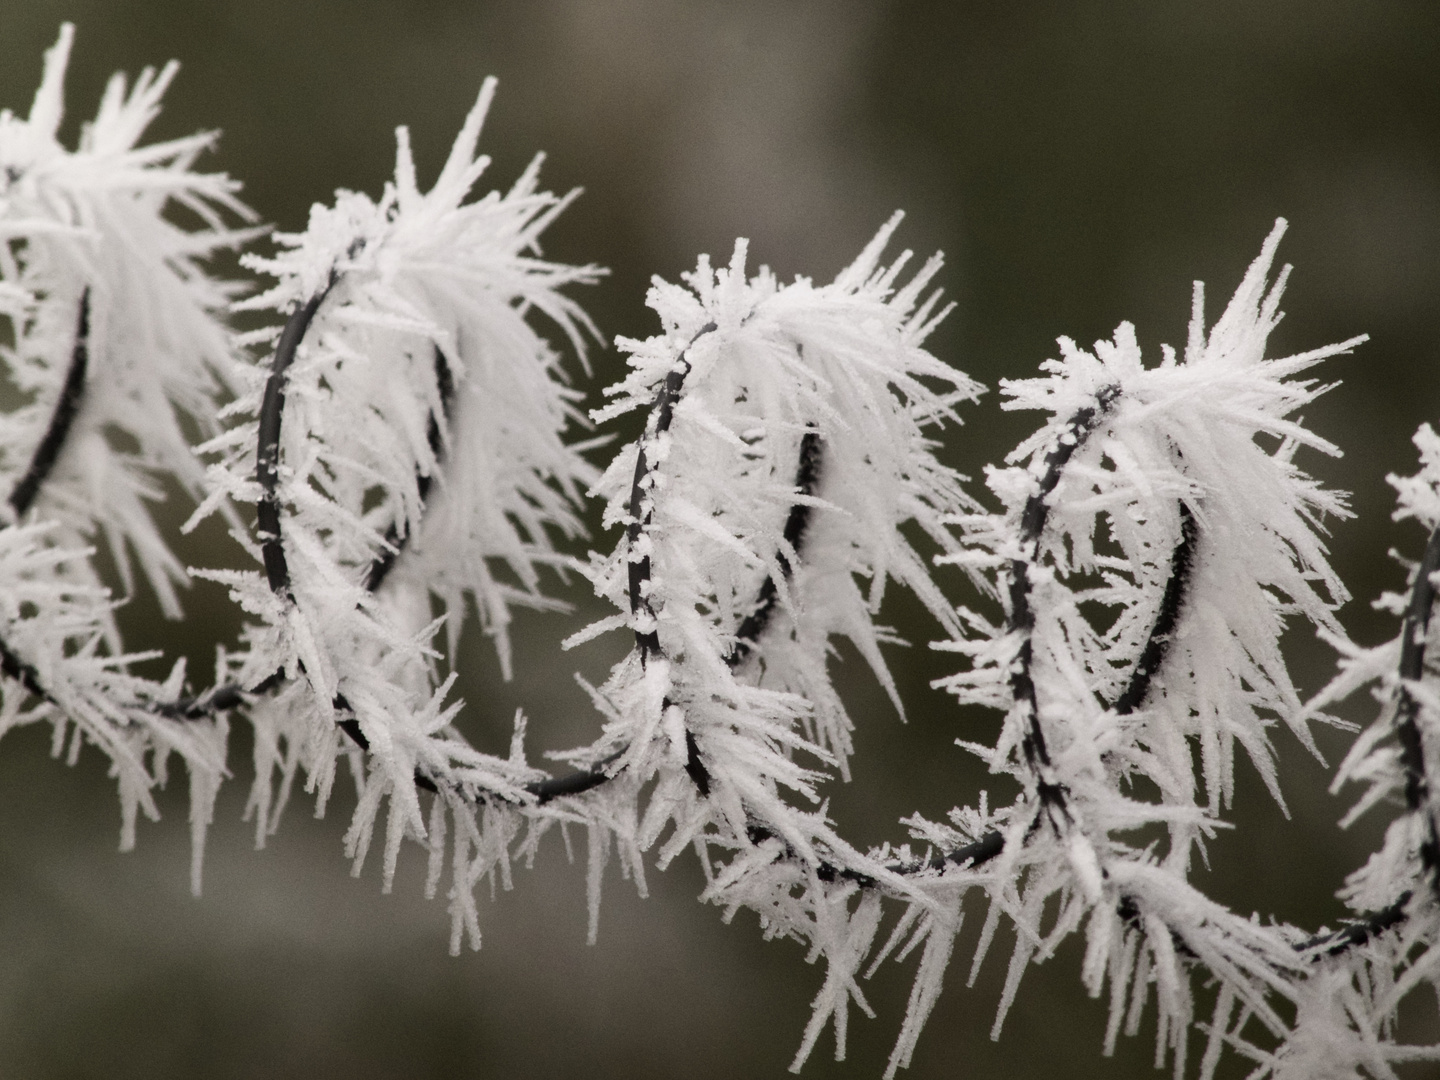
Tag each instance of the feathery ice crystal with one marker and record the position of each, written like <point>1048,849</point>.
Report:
<point>783,452</point>
<point>1345,1022</point>
<point>98,274</point>
<point>411,438</point>
<point>408,381</point>
<point>114,344</point>
<point>1149,554</point>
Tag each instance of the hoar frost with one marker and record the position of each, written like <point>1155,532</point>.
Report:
<point>414,450</point>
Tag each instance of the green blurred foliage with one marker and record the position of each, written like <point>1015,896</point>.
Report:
<point>1079,162</point>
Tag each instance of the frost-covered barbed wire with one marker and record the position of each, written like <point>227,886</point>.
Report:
<point>404,440</point>
<point>59,668</point>
<point>89,240</point>
<point>114,347</point>
<point>783,454</point>
<point>785,449</point>
<point>406,435</point>
<point>1348,1011</point>
<point>1148,556</point>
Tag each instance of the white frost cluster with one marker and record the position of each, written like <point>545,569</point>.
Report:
<point>767,405</point>
<point>1156,537</point>
<point>1347,1019</point>
<point>419,453</point>
<point>95,228</point>
<point>114,345</point>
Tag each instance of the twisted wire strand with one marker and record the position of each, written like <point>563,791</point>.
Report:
<point>1034,518</point>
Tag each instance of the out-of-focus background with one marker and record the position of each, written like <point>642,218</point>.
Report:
<point>1079,163</point>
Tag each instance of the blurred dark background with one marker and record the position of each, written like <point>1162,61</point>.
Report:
<point>1079,163</point>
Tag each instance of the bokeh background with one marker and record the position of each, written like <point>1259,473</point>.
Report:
<point>1079,162</point>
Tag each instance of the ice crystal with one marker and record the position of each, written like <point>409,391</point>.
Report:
<point>115,345</point>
